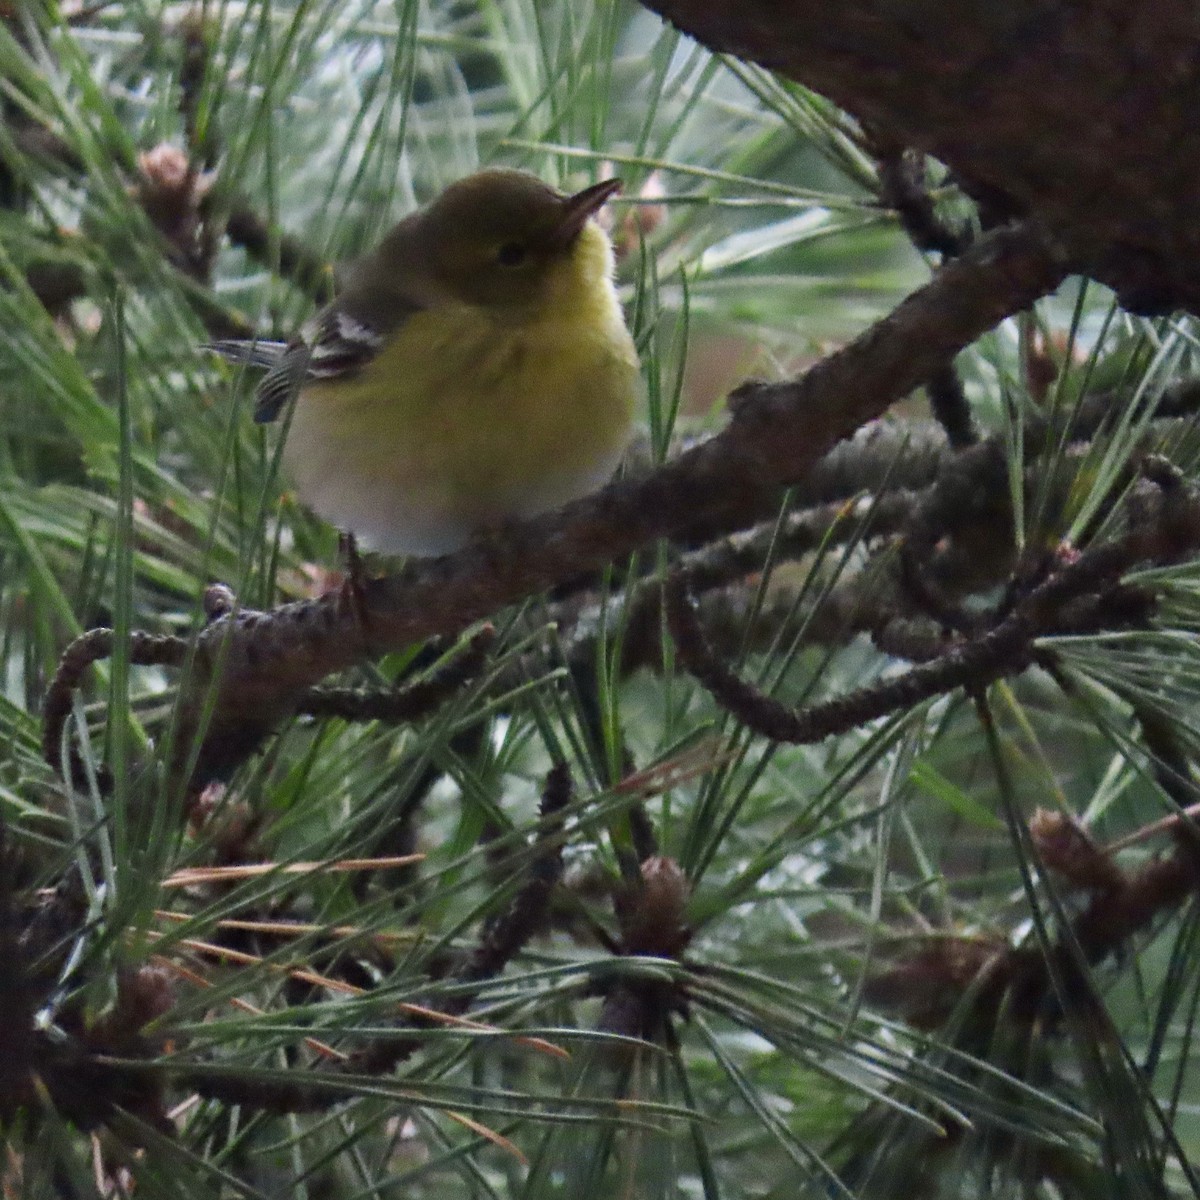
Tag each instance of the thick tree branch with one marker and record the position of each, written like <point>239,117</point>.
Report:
<point>1081,115</point>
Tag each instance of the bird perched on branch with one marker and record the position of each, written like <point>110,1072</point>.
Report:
<point>474,368</point>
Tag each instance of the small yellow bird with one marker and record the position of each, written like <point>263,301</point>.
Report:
<point>475,368</point>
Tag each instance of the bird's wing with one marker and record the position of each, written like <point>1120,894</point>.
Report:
<point>333,344</point>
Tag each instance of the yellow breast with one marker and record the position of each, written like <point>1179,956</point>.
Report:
<point>464,420</point>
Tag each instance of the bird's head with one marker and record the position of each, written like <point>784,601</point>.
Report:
<point>505,240</point>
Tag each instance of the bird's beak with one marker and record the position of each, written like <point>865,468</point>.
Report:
<point>577,209</point>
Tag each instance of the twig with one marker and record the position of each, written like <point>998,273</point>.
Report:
<point>903,188</point>
<point>144,649</point>
<point>400,705</point>
<point>1167,824</point>
<point>949,404</point>
<point>284,253</point>
<point>1006,649</point>
<point>502,938</point>
<point>1019,981</point>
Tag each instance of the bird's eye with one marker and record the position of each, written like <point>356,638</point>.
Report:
<point>511,254</point>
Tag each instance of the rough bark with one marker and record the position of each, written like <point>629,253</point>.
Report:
<point>1084,115</point>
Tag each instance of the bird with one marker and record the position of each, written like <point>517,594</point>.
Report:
<point>474,369</point>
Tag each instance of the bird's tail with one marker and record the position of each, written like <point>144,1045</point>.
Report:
<point>251,354</point>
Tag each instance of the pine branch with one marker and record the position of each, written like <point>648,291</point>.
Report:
<point>776,432</point>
